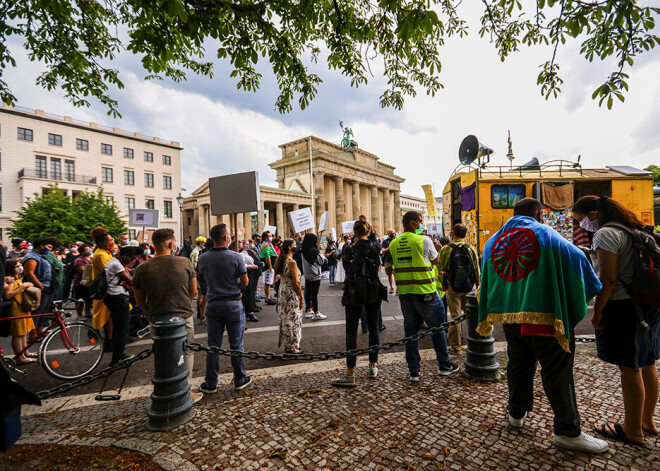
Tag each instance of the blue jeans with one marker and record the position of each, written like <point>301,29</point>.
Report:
<point>415,311</point>
<point>332,273</point>
<point>221,314</point>
<point>363,319</point>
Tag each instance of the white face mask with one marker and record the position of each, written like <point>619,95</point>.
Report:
<point>19,270</point>
<point>588,225</point>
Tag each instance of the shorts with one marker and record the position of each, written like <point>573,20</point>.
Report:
<point>389,271</point>
<point>82,292</point>
<point>269,277</point>
<point>624,341</point>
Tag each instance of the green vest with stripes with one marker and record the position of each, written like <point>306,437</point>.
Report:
<point>413,274</point>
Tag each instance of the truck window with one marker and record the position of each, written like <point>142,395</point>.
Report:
<point>506,196</point>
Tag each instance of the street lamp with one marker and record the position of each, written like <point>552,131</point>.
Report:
<point>179,200</point>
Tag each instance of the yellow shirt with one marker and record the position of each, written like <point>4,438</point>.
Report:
<point>100,311</point>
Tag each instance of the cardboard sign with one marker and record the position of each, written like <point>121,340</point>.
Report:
<point>234,194</point>
<point>301,220</point>
<point>347,226</point>
<point>333,233</point>
<point>143,217</point>
<point>145,237</point>
<point>434,228</point>
<point>323,223</point>
<point>271,229</point>
<point>430,201</point>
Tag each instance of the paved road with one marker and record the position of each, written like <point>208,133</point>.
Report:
<point>262,336</point>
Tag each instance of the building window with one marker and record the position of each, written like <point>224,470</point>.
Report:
<point>167,182</point>
<point>25,134</point>
<point>55,169</point>
<point>129,203</point>
<point>168,209</point>
<point>106,175</point>
<point>149,180</point>
<point>128,153</point>
<point>106,149</point>
<point>132,234</point>
<point>149,204</point>
<point>129,177</point>
<point>506,196</point>
<point>41,170</point>
<point>109,199</point>
<point>167,160</point>
<point>148,156</point>
<point>70,170</point>
<point>82,144</point>
<point>54,139</point>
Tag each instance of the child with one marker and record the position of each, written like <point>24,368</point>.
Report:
<point>20,327</point>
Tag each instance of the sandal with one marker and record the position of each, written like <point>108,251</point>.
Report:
<point>615,431</point>
<point>27,361</point>
<point>650,432</point>
<point>31,355</point>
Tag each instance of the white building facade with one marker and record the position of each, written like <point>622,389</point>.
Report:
<point>414,203</point>
<point>38,149</point>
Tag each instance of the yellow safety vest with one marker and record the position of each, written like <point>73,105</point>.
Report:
<point>413,274</point>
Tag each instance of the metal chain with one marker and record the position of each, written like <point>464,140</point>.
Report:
<point>123,364</point>
<point>585,339</point>
<point>196,347</point>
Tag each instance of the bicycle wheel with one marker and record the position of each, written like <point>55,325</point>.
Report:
<point>73,358</point>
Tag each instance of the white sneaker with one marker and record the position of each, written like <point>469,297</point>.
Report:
<point>584,442</point>
<point>517,423</point>
<point>318,317</point>
<point>309,314</point>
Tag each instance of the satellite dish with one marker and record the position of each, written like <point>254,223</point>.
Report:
<point>531,165</point>
<point>471,149</point>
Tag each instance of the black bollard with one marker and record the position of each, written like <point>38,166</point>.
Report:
<point>171,404</point>
<point>480,364</point>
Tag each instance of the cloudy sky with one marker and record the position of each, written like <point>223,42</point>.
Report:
<point>224,130</point>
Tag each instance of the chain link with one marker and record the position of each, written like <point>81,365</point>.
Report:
<point>585,339</point>
<point>197,347</point>
<point>123,364</point>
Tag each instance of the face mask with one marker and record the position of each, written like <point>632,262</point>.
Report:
<point>146,252</point>
<point>19,270</point>
<point>591,226</point>
<point>111,245</point>
<point>88,253</point>
<point>420,229</point>
<point>45,251</point>
<point>29,248</point>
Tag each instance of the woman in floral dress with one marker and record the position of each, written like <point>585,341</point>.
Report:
<point>289,299</point>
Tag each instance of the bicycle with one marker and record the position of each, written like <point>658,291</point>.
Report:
<point>69,350</point>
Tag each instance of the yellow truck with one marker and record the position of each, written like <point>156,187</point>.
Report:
<point>482,196</point>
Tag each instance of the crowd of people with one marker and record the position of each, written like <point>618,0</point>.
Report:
<point>430,275</point>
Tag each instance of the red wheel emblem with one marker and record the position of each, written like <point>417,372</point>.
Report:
<point>515,254</point>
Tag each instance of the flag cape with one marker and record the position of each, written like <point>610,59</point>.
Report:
<point>532,275</point>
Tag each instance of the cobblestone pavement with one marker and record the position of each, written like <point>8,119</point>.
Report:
<point>294,419</point>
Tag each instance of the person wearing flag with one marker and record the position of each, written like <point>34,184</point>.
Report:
<point>537,284</point>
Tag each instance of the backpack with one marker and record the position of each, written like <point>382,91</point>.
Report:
<point>361,288</point>
<point>99,286</point>
<point>461,274</point>
<point>31,299</point>
<point>645,286</point>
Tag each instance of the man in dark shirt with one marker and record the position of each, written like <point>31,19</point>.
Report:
<point>387,258</point>
<point>225,274</point>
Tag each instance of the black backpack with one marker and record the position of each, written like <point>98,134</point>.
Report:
<point>461,274</point>
<point>645,286</point>
<point>99,286</point>
<point>361,288</point>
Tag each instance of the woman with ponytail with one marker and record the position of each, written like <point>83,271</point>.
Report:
<point>624,335</point>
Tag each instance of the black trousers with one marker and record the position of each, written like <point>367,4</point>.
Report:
<point>312,294</point>
<point>120,315</point>
<point>353,314</point>
<point>248,292</point>
<point>556,374</point>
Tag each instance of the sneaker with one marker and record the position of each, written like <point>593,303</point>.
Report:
<point>391,290</point>
<point>257,296</point>
<point>202,321</point>
<point>204,388</point>
<point>517,423</point>
<point>447,370</point>
<point>271,301</point>
<point>381,328</point>
<point>196,397</point>
<point>344,381</point>
<point>414,376</point>
<point>318,317</point>
<point>373,372</point>
<point>309,314</point>
<point>584,442</point>
<point>243,384</point>
<point>252,318</point>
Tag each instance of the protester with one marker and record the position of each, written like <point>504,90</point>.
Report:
<point>627,329</point>
<point>166,286</point>
<point>460,260</point>
<point>268,255</point>
<point>537,284</point>
<point>68,268</point>
<point>331,255</point>
<point>340,273</point>
<point>362,292</point>
<point>199,246</point>
<point>57,280</point>
<point>19,328</point>
<point>123,240</point>
<point>246,299</point>
<point>38,271</point>
<point>387,259</point>
<point>297,251</point>
<point>116,299</point>
<point>186,248</point>
<point>312,269</point>
<point>289,299</point>
<point>18,247</point>
<point>413,257</point>
<point>105,245</point>
<point>225,274</point>
<point>80,291</point>
<point>253,275</point>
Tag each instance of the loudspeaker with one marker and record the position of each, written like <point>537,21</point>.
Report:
<point>531,165</point>
<point>471,149</point>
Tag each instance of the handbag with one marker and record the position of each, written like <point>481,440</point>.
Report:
<point>86,278</point>
<point>31,299</point>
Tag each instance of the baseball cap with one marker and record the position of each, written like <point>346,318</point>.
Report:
<point>201,239</point>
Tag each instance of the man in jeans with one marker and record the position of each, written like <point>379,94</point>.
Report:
<point>413,257</point>
<point>387,258</point>
<point>165,286</point>
<point>462,276</point>
<point>225,273</point>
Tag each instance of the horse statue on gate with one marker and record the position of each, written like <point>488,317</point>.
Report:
<point>347,142</point>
